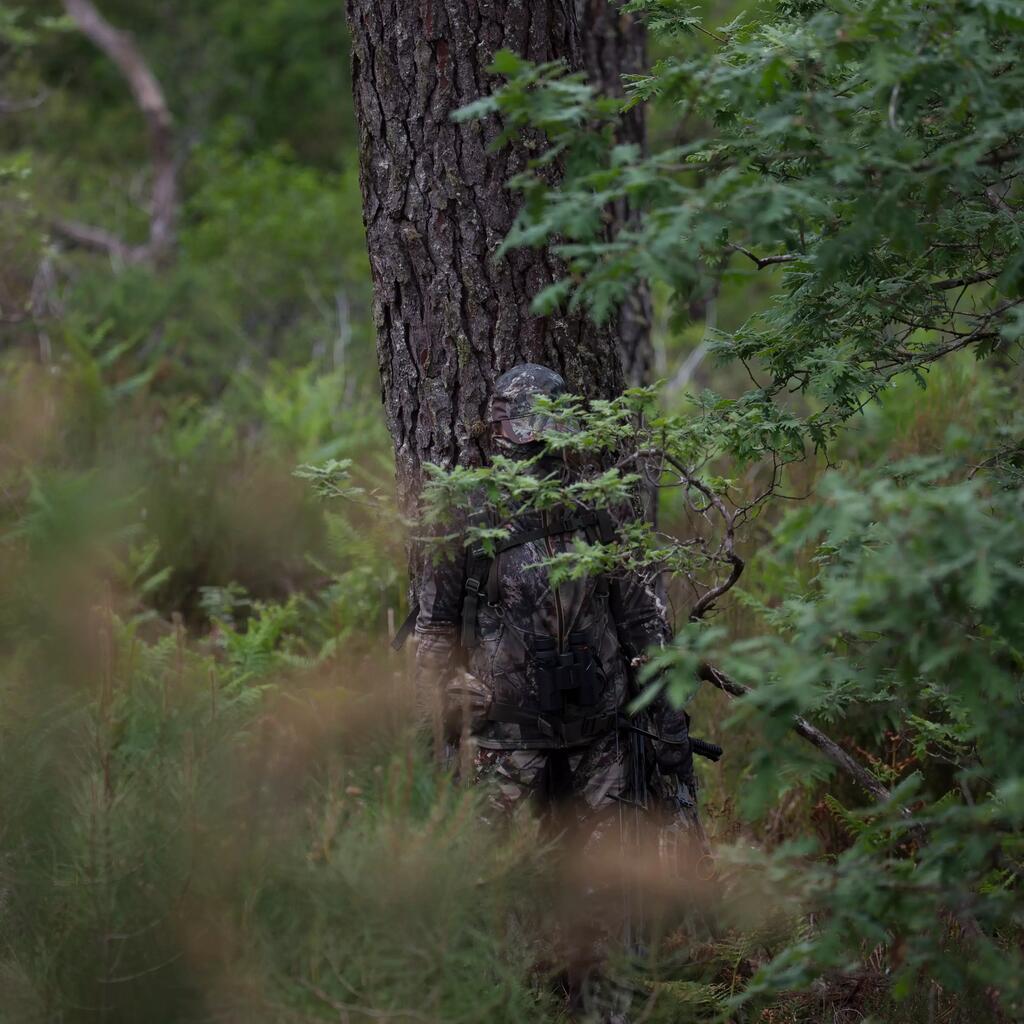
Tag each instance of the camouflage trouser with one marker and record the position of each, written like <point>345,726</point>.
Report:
<point>599,814</point>
<point>604,851</point>
<point>586,815</point>
<point>597,783</point>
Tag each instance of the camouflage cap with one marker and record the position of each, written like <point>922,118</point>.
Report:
<point>516,389</point>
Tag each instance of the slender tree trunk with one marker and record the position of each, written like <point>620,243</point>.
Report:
<point>449,318</point>
<point>615,44</point>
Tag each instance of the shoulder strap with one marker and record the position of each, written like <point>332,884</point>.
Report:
<point>476,575</point>
<point>605,526</point>
<point>478,566</point>
<point>556,525</point>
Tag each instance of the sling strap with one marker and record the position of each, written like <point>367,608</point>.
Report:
<point>406,628</point>
<point>580,729</point>
<point>705,748</point>
<point>567,733</point>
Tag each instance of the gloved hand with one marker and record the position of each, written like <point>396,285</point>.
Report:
<point>672,751</point>
<point>467,702</point>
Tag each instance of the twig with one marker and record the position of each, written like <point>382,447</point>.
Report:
<point>688,368</point>
<point>894,98</point>
<point>120,47</point>
<point>366,1011</point>
<point>721,40</point>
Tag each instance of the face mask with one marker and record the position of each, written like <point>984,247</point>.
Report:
<point>522,429</point>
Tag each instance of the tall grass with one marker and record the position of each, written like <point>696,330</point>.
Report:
<point>213,801</point>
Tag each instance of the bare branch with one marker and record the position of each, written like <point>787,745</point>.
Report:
<point>959,282</point>
<point>864,777</point>
<point>765,261</point>
<point>999,203</point>
<point>894,99</point>
<point>707,601</point>
<point>120,47</point>
<point>98,239</point>
<point>9,106</point>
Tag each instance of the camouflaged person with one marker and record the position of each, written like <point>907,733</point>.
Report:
<point>542,672</point>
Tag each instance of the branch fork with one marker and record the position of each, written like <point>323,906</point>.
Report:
<point>122,49</point>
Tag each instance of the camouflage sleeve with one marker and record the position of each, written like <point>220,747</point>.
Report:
<point>437,631</point>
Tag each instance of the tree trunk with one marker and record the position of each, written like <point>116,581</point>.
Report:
<point>449,319</point>
<point>615,44</point>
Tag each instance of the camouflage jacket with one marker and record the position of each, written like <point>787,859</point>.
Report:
<point>502,670</point>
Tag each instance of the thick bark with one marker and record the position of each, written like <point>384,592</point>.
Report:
<point>449,318</point>
<point>615,44</point>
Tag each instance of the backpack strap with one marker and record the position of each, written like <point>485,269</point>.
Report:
<point>478,567</point>
<point>494,581</point>
<point>558,524</point>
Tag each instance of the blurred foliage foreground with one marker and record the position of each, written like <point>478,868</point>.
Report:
<point>211,805</point>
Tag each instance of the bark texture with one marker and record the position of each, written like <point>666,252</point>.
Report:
<point>449,319</point>
<point>615,44</point>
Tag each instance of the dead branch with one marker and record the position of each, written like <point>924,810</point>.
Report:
<point>835,753</point>
<point>120,47</point>
<point>9,106</point>
<point>765,261</point>
<point>863,777</point>
<point>728,546</point>
<point>966,279</point>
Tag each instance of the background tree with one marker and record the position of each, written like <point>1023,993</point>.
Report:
<point>149,95</point>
